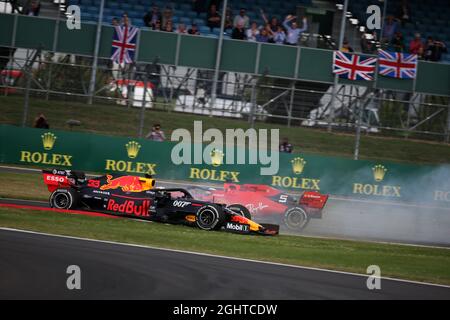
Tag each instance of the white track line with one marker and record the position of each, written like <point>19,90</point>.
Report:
<point>333,197</point>
<point>223,257</point>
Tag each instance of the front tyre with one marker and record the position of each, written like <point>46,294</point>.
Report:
<point>64,199</point>
<point>296,218</point>
<point>209,218</point>
<point>240,210</point>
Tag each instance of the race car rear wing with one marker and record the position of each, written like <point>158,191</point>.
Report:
<point>313,199</point>
<point>56,178</point>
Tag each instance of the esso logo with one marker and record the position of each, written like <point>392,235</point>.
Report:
<point>181,204</point>
<point>55,178</point>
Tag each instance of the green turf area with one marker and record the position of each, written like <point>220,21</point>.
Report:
<point>118,120</point>
<point>416,263</point>
<point>29,186</point>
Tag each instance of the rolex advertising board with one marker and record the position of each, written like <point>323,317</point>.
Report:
<point>373,180</point>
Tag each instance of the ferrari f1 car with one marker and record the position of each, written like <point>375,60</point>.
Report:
<point>137,197</point>
<point>265,203</point>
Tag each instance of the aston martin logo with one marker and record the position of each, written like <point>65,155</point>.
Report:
<point>216,157</point>
<point>298,165</point>
<point>132,149</point>
<point>48,140</point>
<point>379,172</point>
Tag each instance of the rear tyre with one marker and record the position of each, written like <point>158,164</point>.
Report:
<point>64,199</point>
<point>209,218</point>
<point>296,218</point>
<point>241,210</point>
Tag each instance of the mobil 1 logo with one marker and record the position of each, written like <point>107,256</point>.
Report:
<point>237,227</point>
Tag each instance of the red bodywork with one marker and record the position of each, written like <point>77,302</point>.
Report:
<point>263,200</point>
<point>55,181</point>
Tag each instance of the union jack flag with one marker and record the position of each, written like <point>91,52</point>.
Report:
<point>397,65</point>
<point>353,67</point>
<point>124,44</point>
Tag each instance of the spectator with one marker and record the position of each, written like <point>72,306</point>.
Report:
<point>368,42</point>
<point>398,44</point>
<point>181,28</point>
<point>434,49</point>
<point>263,36</point>
<point>389,29</point>
<point>126,21</point>
<point>168,27</point>
<point>242,19</point>
<point>213,18</point>
<point>293,31</point>
<point>404,12</point>
<point>238,32</point>
<point>156,134</point>
<point>285,146</point>
<point>115,22</point>
<point>228,20</point>
<point>279,36</point>
<point>346,47</point>
<point>152,16</point>
<point>194,30</point>
<point>33,9</point>
<point>157,25</point>
<point>41,122</point>
<point>416,45</point>
<point>167,16</point>
<point>252,32</point>
<point>273,21</point>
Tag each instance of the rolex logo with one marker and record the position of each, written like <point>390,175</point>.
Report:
<point>378,172</point>
<point>216,157</point>
<point>48,140</point>
<point>132,149</point>
<point>298,164</point>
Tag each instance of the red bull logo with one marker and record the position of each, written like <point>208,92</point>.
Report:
<point>126,183</point>
<point>130,207</point>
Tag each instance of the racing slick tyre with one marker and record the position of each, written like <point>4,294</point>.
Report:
<point>296,218</point>
<point>64,199</point>
<point>210,218</point>
<point>241,210</point>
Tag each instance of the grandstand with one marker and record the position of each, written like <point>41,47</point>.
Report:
<point>292,85</point>
<point>183,11</point>
<point>430,18</point>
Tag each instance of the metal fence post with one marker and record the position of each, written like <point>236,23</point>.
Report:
<point>447,138</point>
<point>96,50</point>
<point>218,57</point>
<point>336,77</point>
<point>253,104</point>
<point>27,95</point>
<point>358,129</point>
<point>141,122</point>
<point>291,104</point>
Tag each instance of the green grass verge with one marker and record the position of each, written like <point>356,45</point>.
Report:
<point>28,186</point>
<point>415,263</point>
<point>117,120</point>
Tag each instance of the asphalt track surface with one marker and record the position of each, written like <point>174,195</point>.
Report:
<point>33,266</point>
<point>364,220</point>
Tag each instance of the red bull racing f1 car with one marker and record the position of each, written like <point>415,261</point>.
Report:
<point>137,197</point>
<point>265,203</point>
